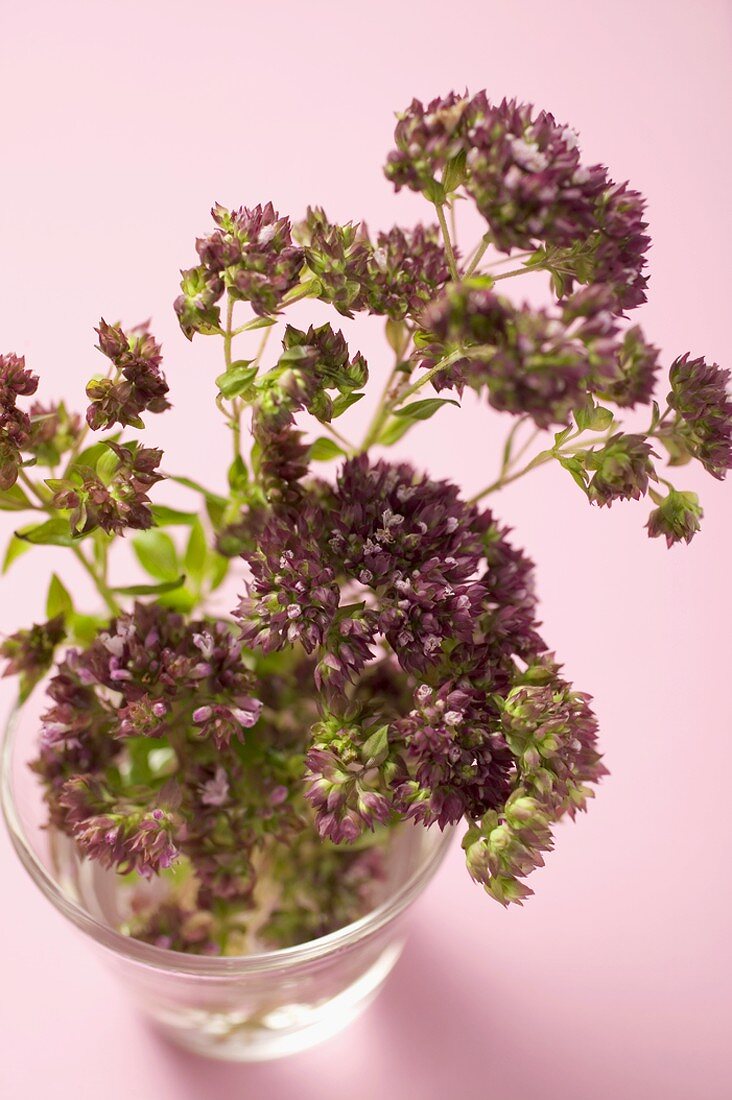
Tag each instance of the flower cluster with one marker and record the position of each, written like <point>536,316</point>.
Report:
<point>313,365</point>
<point>29,653</point>
<point>15,425</point>
<point>114,498</point>
<point>532,361</point>
<point>138,384</point>
<point>385,663</point>
<point>436,582</point>
<point>54,431</point>
<point>250,254</point>
<point>524,172</point>
<point>391,277</point>
<point>703,413</point>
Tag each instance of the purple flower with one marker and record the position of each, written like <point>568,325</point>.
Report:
<point>524,172</point>
<point>293,596</point>
<point>526,360</point>
<point>15,426</point>
<point>704,412</point>
<point>677,517</point>
<point>458,763</point>
<point>635,376</point>
<point>427,139</point>
<point>251,251</point>
<point>338,255</point>
<point>29,653</point>
<point>115,504</point>
<point>139,384</point>
<point>620,469</point>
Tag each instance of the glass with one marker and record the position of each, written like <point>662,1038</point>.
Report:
<point>241,1008</point>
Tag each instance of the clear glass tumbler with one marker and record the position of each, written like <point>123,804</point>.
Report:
<point>241,1008</point>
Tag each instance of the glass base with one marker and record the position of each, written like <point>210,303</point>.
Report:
<point>235,1036</point>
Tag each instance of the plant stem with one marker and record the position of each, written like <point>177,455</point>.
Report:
<point>382,411</point>
<point>337,435</point>
<point>103,589</point>
<point>478,255</point>
<point>446,361</point>
<point>451,262</point>
<point>537,460</point>
<point>510,274</point>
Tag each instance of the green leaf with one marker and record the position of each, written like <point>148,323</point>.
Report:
<point>14,500</point>
<point>375,750</point>
<point>393,431</point>
<point>423,410</point>
<point>454,174</point>
<point>107,465</point>
<point>84,629</point>
<point>560,437</point>
<point>237,378</point>
<point>344,402</point>
<point>325,449</point>
<point>260,322</point>
<point>15,549</point>
<point>238,475</point>
<point>54,532</point>
<point>575,466</point>
<point>198,488</point>
<point>182,599</point>
<point>157,555</point>
<point>172,517</point>
<point>196,553</point>
<point>594,418</point>
<point>58,600</point>
<point>91,455</point>
<point>218,567</point>
<point>150,589</point>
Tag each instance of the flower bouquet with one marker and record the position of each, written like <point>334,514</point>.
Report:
<point>251,787</point>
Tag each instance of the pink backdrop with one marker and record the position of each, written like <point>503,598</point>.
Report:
<point>121,123</point>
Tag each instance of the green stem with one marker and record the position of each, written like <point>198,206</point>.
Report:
<point>341,438</point>
<point>478,255</point>
<point>382,411</point>
<point>537,460</point>
<point>510,274</point>
<point>103,589</point>
<point>451,262</point>
<point>446,361</point>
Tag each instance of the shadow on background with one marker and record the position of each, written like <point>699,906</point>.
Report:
<point>423,1027</point>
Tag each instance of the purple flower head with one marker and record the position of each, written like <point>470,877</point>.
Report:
<point>524,172</point>
<point>676,518</point>
<point>620,469</point>
<point>117,502</point>
<point>293,595</point>
<point>526,360</point>
<point>139,384</point>
<point>251,251</point>
<point>343,780</point>
<point>635,374</point>
<point>338,255</point>
<point>427,139</point>
<point>700,397</point>
<point>458,762</point>
<point>407,267</point>
<point>15,425</point>
<point>15,380</point>
<point>29,653</point>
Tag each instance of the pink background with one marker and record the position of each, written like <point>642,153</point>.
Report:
<point>121,123</point>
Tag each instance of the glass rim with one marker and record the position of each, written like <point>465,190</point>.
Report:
<point>163,958</point>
